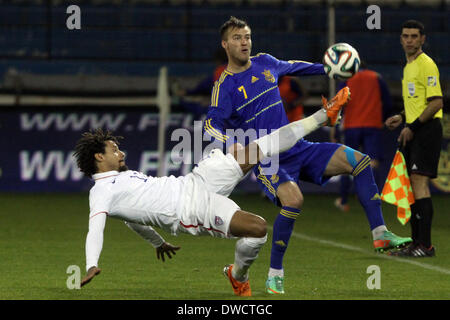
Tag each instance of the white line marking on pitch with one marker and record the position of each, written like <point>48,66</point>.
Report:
<point>360,250</point>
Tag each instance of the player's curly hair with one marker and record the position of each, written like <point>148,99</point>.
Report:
<point>90,143</point>
<point>233,22</point>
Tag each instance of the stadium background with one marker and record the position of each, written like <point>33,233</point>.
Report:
<point>56,83</point>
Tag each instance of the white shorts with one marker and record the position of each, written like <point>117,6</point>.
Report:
<point>203,212</point>
<point>221,173</point>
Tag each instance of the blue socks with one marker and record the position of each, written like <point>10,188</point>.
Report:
<point>367,192</point>
<point>368,196</point>
<point>282,230</point>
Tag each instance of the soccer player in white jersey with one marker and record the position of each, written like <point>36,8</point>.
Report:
<point>196,203</point>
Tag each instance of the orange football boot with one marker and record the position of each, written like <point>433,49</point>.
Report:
<point>335,105</point>
<point>239,288</point>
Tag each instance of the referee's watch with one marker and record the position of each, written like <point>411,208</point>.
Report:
<point>416,125</point>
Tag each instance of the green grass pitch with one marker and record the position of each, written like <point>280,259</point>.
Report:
<point>328,256</point>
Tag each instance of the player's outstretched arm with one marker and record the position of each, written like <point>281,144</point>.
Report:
<point>94,244</point>
<point>147,233</point>
<point>92,272</point>
<point>166,249</point>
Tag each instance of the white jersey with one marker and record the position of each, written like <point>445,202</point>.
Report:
<point>195,203</point>
<point>135,197</point>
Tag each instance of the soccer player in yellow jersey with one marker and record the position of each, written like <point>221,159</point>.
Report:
<point>421,137</point>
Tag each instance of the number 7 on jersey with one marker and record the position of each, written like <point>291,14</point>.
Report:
<point>242,89</point>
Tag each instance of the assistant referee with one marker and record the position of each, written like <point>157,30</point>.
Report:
<point>421,137</point>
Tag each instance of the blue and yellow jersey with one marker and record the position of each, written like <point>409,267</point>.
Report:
<point>251,99</point>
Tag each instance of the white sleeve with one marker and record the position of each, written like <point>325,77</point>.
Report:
<point>94,239</point>
<point>146,232</point>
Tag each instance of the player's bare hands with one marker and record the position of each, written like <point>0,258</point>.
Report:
<point>405,135</point>
<point>92,272</point>
<point>393,122</point>
<point>166,249</point>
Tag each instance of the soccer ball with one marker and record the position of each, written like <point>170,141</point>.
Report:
<point>341,61</point>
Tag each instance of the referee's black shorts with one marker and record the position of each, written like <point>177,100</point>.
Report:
<point>423,151</point>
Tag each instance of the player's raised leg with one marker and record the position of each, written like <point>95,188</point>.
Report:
<point>287,136</point>
<point>252,230</point>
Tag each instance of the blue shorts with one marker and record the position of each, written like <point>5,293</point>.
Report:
<point>367,138</point>
<point>306,161</point>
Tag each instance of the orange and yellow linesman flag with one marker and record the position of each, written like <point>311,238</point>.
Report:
<point>397,188</point>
